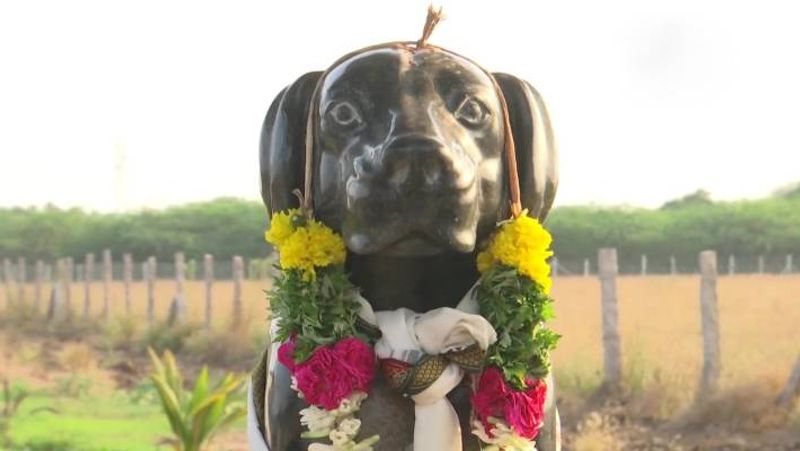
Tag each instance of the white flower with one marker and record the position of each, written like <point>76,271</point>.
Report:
<point>317,419</point>
<point>339,438</point>
<point>351,404</point>
<point>349,426</point>
<point>504,437</point>
<point>321,422</point>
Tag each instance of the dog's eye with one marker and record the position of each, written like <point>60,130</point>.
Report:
<point>472,112</point>
<point>345,114</point>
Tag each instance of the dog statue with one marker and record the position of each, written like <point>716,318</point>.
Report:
<point>408,166</point>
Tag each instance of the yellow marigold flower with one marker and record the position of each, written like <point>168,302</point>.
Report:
<point>326,247</point>
<point>305,247</point>
<point>281,226</point>
<point>485,261</point>
<point>523,244</point>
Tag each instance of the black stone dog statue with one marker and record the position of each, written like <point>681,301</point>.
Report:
<point>408,166</point>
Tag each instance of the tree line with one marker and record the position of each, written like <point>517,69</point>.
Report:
<point>227,227</point>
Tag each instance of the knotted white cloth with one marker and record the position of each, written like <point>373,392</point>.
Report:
<point>405,336</point>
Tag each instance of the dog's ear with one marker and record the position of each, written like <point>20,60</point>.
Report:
<point>283,143</point>
<point>537,158</point>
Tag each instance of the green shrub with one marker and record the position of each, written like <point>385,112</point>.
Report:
<point>195,416</point>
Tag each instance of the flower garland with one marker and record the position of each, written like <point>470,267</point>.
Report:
<point>332,364</point>
<point>513,296</point>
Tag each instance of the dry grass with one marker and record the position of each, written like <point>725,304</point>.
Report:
<point>661,343</point>
<point>77,357</point>
<point>659,323</point>
<point>254,305</point>
<point>660,327</point>
<point>659,320</point>
<point>596,433</point>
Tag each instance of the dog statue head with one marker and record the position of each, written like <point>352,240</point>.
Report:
<point>407,147</point>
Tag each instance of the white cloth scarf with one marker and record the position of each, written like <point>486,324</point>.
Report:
<point>405,335</point>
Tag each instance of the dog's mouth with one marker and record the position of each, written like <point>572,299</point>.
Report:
<point>399,239</point>
<point>391,224</point>
<point>414,244</point>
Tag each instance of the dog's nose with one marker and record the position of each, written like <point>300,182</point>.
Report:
<point>414,162</point>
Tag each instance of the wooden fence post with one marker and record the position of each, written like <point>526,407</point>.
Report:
<point>150,275</point>
<point>37,290</point>
<point>612,355</point>
<point>792,388</point>
<point>107,278</point>
<point>177,309</point>
<point>731,265</point>
<point>22,278</point>
<point>789,268</point>
<point>127,277</point>
<point>48,272</point>
<point>554,266</point>
<point>586,268</point>
<point>55,311</point>
<point>709,315</point>
<point>673,265</point>
<point>644,264</point>
<point>761,264</point>
<point>238,274</point>
<point>208,275</point>
<point>180,272</point>
<point>88,278</point>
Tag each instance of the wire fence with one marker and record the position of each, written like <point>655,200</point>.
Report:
<point>260,268</point>
<point>644,265</point>
<point>24,271</point>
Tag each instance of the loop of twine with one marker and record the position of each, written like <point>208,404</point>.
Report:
<point>431,20</point>
<point>511,156</point>
<point>433,17</point>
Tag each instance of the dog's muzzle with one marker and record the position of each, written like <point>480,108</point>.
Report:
<point>415,186</point>
<point>421,164</point>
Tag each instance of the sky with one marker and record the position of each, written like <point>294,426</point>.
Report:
<point>114,105</point>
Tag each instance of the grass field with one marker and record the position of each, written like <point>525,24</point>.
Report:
<point>659,321</point>
<point>661,341</point>
<point>253,299</point>
<point>96,422</point>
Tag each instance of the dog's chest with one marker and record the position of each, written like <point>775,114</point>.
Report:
<point>391,416</point>
<point>419,284</point>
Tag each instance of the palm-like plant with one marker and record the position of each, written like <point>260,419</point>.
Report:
<point>195,415</point>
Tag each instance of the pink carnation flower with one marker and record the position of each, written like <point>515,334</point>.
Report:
<point>286,354</point>
<point>522,410</point>
<point>332,373</point>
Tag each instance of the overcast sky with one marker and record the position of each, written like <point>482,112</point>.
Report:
<point>114,105</point>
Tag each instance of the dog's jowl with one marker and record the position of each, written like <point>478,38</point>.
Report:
<point>408,166</point>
